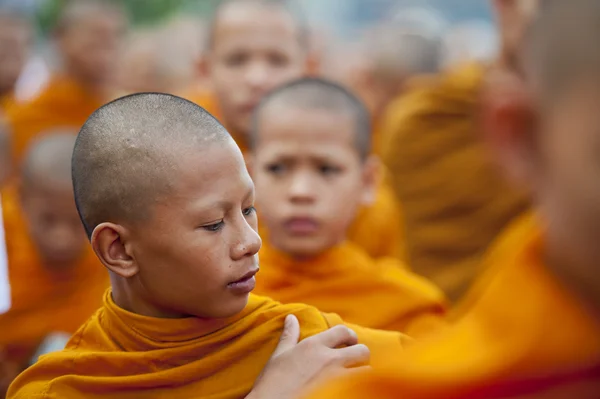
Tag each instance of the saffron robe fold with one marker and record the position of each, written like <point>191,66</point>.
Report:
<point>43,301</point>
<point>454,201</point>
<point>379,294</point>
<point>121,355</point>
<point>528,336</point>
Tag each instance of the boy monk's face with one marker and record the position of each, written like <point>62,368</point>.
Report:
<point>309,177</point>
<point>53,224</point>
<point>197,255</point>
<point>255,48</point>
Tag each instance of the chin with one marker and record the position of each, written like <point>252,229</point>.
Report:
<point>234,306</point>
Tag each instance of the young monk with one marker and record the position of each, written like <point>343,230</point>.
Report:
<point>16,36</point>
<point>88,35</point>
<point>313,171</point>
<point>166,200</point>
<point>535,332</point>
<point>253,47</point>
<point>54,280</point>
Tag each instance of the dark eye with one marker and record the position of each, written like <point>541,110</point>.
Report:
<point>214,227</point>
<point>249,211</point>
<point>278,60</point>
<point>236,59</point>
<point>328,170</point>
<point>276,168</point>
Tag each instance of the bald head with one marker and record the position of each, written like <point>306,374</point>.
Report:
<point>48,160</point>
<point>231,9</point>
<point>127,154</point>
<point>77,12</point>
<point>322,95</point>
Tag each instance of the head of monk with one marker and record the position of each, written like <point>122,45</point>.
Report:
<point>311,164</point>
<point>46,196</point>
<point>89,35</point>
<point>168,204</point>
<point>547,131</point>
<point>254,46</point>
<point>16,36</point>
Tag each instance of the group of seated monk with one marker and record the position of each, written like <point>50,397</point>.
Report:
<point>133,264</point>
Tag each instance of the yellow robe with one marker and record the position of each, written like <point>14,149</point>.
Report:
<point>64,103</point>
<point>379,294</point>
<point>378,228</point>
<point>454,201</point>
<point>121,355</point>
<point>528,336</point>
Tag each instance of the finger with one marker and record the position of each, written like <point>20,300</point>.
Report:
<point>353,356</point>
<point>339,335</point>
<point>289,336</point>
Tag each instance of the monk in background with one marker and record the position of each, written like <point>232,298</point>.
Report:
<point>255,46</point>
<point>55,280</point>
<point>535,330</point>
<point>88,36</point>
<point>313,169</point>
<point>454,200</point>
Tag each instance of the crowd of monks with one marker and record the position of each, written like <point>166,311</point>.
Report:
<point>256,221</point>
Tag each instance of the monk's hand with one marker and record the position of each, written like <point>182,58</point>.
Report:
<point>296,367</point>
<point>8,372</point>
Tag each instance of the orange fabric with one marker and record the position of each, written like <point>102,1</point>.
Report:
<point>43,301</point>
<point>528,336</point>
<point>64,103</point>
<point>121,355</point>
<point>7,102</point>
<point>379,294</point>
<point>454,201</point>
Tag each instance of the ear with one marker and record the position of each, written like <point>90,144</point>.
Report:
<point>370,179</point>
<point>203,66</point>
<point>509,123</point>
<point>313,64</point>
<point>110,245</point>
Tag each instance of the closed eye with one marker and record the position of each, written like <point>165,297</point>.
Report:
<point>249,211</point>
<point>214,227</point>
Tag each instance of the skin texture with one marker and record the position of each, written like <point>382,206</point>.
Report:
<point>15,41</point>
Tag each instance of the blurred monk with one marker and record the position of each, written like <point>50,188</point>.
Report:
<point>535,331</point>
<point>167,202</point>
<point>5,155</point>
<point>55,280</point>
<point>313,170</point>
<point>88,36</point>
<point>255,46</point>
<point>454,200</point>
<point>16,37</point>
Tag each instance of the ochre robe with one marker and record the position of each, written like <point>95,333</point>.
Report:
<point>379,294</point>
<point>121,355</point>
<point>63,103</point>
<point>528,336</point>
<point>43,301</point>
<point>454,201</point>
<point>378,228</point>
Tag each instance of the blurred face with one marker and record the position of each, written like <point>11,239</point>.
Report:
<point>15,42</point>
<point>309,178</point>
<point>254,50</point>
<point>91,46</point>
<point>198,254</point>
<point>54,224</point>
<point>514,16</point>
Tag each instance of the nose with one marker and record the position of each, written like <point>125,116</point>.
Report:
<point>248,242</point>
<point>301,188</point>
<point>257,75</point>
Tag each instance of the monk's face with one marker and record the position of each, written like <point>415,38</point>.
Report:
<point>15,42</point>
<point>53,224</point>
<point>90,46</point>
<point>198,253</point>
<point>254,50</point>
<point>309,177</point>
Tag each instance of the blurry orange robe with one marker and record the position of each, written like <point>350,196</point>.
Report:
<point>43,301</point>
<point>454,202</point>
<point>121,355</point>
<point>378,228</point>
<point>344,280</point>
<point>63,103</point>
<point>527,336</point>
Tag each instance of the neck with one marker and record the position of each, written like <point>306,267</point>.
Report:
<point>95,87</point>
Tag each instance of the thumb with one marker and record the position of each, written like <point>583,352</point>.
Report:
<point>289,336</point>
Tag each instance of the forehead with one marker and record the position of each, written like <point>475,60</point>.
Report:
<point>98,21</point>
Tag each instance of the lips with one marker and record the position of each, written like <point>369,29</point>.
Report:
<point>302,226</point>
<point>245,284</point>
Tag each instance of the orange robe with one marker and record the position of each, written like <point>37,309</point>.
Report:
<point>378,228</point>
<point>121,355</point>
<point>379,294</point>
<point>528,336</point>
<point>43,301</point>
<point>64,103</point>
<point>454,201</point>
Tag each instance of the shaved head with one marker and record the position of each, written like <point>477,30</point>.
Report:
<point>48,160</point>
<point>283,6</point>
<point>127,152</point>
<point>77,11</point>
<point>319,94</point>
